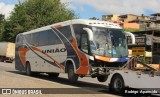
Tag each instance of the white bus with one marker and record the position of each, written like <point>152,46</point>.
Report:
<point>78,47</point>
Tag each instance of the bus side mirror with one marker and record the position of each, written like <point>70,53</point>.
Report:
<point>90,33</point>
<point>132,36</point>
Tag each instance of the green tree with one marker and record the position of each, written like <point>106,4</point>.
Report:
<point>32,14</point>
<point>1,17</point>
<point>8,33</point>
<point>94,18</point>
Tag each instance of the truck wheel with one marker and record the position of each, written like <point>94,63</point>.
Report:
<point>117,84</point>
<point>53,75</point>
<point>102,78</point>
<point>71,75</point>
<point>28,69</point>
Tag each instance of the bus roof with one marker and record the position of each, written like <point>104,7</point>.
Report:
<point>96,23</point>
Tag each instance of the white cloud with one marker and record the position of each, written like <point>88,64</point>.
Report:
<point>81,8</point>
<point>73,7</point>
<point>122,6</point>
<point>69,5</point>
<point>6,9</point>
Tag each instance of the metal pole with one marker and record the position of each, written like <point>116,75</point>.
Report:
<point>152,46</point>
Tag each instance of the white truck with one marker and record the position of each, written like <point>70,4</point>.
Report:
<point>7,51</point>
<point>146,78</point>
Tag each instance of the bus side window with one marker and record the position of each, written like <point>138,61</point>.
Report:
<point>35,39</point>
<point>43,38</point>
<point>28,38</point>
<point>19,40</point>
<point>78,39</point>
<point>78,29</point>
<point>66,31</point>
<point>53,38</point>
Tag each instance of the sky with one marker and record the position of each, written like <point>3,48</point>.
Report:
<point>97,8</point>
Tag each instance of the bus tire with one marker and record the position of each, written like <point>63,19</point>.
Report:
<point>28,69</point>
<point>53,75</point>
<point>117,84</point>
<point>102,78</point>
<point>1,59</point>
<point>9,61</point>
<point>71,75</point>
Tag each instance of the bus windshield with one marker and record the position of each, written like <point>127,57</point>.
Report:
<point>109,42</point>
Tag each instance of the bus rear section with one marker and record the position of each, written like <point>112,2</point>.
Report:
<point>76,47</point>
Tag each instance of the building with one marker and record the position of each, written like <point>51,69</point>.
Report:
<point>111,18</point>
<point>134,21</point>
<point>141,19</point>
<point>150,40</point>
<point>127,18</point>
<point>154,23</point>
<point>155,16</point>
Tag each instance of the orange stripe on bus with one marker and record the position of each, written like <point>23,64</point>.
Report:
<point>102,58</point>
<point>57,26</point>
<point>22,54</point>
<point>82,70</point>
<point>84,66</point>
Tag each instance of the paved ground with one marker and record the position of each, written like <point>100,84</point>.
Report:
<point>85,87</point>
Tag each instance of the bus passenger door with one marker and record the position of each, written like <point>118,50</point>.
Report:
<point>84,45</point>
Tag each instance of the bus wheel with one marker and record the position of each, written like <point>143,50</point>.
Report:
<point>71,75</point>
<point>53,75</point>
<point>102,78</point>
<point>1,59</point>
<point>9,62</point>
<point>28,69</point>
<point>117,84</point>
